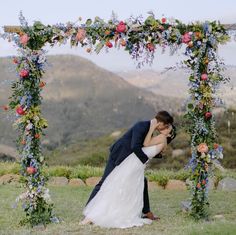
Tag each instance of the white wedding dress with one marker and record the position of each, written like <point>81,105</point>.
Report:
<point>119,202</point>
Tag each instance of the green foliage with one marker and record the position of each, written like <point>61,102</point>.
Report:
<point>59,171</point>
<point>9,168</point>
<point>84,172</point>
<point>42,214</point>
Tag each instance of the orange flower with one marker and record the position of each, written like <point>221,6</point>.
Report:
<point>216,146</point>
<point>204,182</point>
<point>122,42</point>
<point>190,44</point>
<point>202,148</point>
<point>37,136</point>
<point>80,36</point>
<point>107,32</point>
<point>206,61</point>
<point>198,185</point>
<point>42,84</point>
<point>88,50</point>
<point>23,142</point>
<point>198,35</point>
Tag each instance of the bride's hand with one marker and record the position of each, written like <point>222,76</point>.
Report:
<point>154,124</point>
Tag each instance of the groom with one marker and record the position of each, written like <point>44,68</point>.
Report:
<point>132,141</point>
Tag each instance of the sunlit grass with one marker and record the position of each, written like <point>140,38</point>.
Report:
<point>69,203</point>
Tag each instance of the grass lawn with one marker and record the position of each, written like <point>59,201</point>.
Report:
<point>69,202</point>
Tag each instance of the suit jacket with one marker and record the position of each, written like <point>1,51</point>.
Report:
<point>131,141</point>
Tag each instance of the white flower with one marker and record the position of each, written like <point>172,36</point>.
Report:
<point>29,126</point>
<point>46,196</point>
<point>221,155</point>
<point>36,118</point>
<point>41,59</point>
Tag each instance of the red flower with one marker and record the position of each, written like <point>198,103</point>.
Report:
<point>150,47</point>
<point>204,182</point>
<point>20,110</point>
<point>204,77</point>
<point>186,38</point>
<point>24,73</point>
<point>163,20</point>
<point>208,115</point>
<point>121,27</point>
<point>24,39</point>
<point>109,44</point>
<point>31,170</point>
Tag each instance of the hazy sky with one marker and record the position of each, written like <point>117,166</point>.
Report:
<point>54,11</point>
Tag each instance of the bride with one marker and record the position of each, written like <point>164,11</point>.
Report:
<point>119,202</point>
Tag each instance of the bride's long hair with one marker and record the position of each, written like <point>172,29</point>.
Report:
<point>172,134</point>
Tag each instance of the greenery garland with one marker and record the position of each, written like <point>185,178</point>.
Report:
<point>140,38</point>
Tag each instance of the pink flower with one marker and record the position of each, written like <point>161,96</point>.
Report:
<point>24,39</point>
<point>198,185</point>
<point>31,170</point>
<point>200,105</point>
<point>204,77</point>
<point>150,47</point>
<point>121,27</point>
<point>20,110</point>
<point>24,73</point>
<point>163,20</point>
<point>208,115</point>
<point>202,148</point>
<point>186,38</point>
<point>80,36</point>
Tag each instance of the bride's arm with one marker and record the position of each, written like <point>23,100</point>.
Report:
<point>150,141</point>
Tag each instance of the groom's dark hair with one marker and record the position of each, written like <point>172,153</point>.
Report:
<point>165,117</point>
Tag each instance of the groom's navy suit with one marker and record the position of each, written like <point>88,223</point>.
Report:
<point>131,141</point>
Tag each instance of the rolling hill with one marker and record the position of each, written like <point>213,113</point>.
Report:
<point>81,100</point>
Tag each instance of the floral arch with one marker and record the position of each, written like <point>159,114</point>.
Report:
<point>139,38</point>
